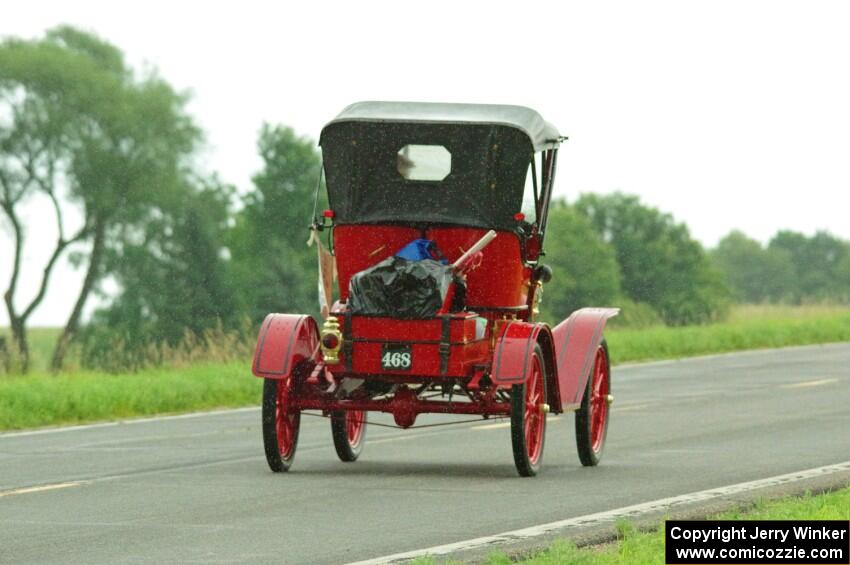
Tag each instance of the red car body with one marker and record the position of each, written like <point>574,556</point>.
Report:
<point>490,357</point>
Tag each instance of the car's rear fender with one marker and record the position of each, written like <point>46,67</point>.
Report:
<point>576,340</point>
<point>284,343</point>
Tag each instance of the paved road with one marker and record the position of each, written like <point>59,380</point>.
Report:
<point>197,489</point>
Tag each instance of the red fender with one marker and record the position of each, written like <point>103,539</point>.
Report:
<point>512,356</point>
<point>576,340</point>
<point>285,340</point>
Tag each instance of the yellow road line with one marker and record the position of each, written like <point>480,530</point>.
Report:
<point>42,488</point>
<point>810,383</point>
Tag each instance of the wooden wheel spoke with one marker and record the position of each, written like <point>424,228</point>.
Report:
<point>528,419</point>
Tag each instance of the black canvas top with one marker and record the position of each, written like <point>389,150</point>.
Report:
<point>541,133</point>
<point>491,148</point>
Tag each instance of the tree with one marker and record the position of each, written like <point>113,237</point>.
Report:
<point>32,159</point>
<point>755,274</point>
<point>41,89</point>
<point>660,263</point>
<point>585,271</point>
<point>172,273</point>
<point>272,265</point>
<point>90,134</point>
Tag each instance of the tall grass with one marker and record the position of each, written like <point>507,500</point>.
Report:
<point>116,355</point>
<point>214,345</point>
<point>639,339</point>
<point>752,312</point>
<point>41,342</point>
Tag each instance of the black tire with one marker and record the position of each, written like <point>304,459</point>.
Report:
<point>588,454</point>
<point>527,466</point>
<point>347,450</point>
<point>278,457</point>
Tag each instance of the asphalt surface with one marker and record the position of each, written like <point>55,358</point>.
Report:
<point>197,489</point>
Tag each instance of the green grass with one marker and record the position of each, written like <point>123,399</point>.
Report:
<point>749,327</point>
<point>44,400</point>
<point>638,548</point>
<point>84,396</point>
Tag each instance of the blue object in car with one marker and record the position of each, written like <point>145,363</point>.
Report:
<point>420,249</point>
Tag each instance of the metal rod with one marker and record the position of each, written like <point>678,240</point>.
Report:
<point>548,195</point>
<point>534,184</point>
<point>387,405</point>
<point>497,418</point>
<point>316,195</point>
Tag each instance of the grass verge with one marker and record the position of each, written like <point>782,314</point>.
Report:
<point>638,548</point>
<point>83,396</point>
<point>758,330</point>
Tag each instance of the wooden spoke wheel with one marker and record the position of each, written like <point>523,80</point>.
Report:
<point>348,428</point>
<point>528,417</point>
<point>593,415</point>
<point>280,424</point>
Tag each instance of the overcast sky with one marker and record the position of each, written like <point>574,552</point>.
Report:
<point>726,114</point>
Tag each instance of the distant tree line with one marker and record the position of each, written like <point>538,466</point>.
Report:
<point>615,250</point>
<point>792,268</point>
<point>190,254</point>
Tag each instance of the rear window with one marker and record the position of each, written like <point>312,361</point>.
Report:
<point>424,162</point>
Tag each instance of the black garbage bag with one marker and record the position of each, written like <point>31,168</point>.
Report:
<point>399,288</point>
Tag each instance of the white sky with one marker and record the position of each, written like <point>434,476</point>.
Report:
<point>726,114</point>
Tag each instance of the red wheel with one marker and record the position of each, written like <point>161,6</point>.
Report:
<point>349,432</point>
<point>528,417</point>
<point>280,424</point>
<point>593,415</point>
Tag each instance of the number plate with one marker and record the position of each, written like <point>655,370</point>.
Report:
<point>396,357</point>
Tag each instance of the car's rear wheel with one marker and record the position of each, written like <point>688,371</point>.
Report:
<point>348,428</point>
<point>593,415</point>
<point>280,424</point>
<point>528,417</point>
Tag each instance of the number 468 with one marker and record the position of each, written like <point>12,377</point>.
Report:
<point>396,360</point>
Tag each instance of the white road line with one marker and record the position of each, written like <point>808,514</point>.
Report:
<point>740,352</point>
<point>385,438</point>
<point>631,407</point>
<point>144,420</point>
<point>498,426</point>
<point>632,365</point>
<point>27,490</point>
<point>607,516</point>
<point>804,384</point>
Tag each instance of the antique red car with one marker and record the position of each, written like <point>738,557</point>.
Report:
<point>435,227</point>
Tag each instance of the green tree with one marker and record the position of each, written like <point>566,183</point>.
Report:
<point>819,265</point>
<point>272,265</point>
<point>90,134</point>
<point>755,274</point>
<point>585,271</point>
<point>660,263</point>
